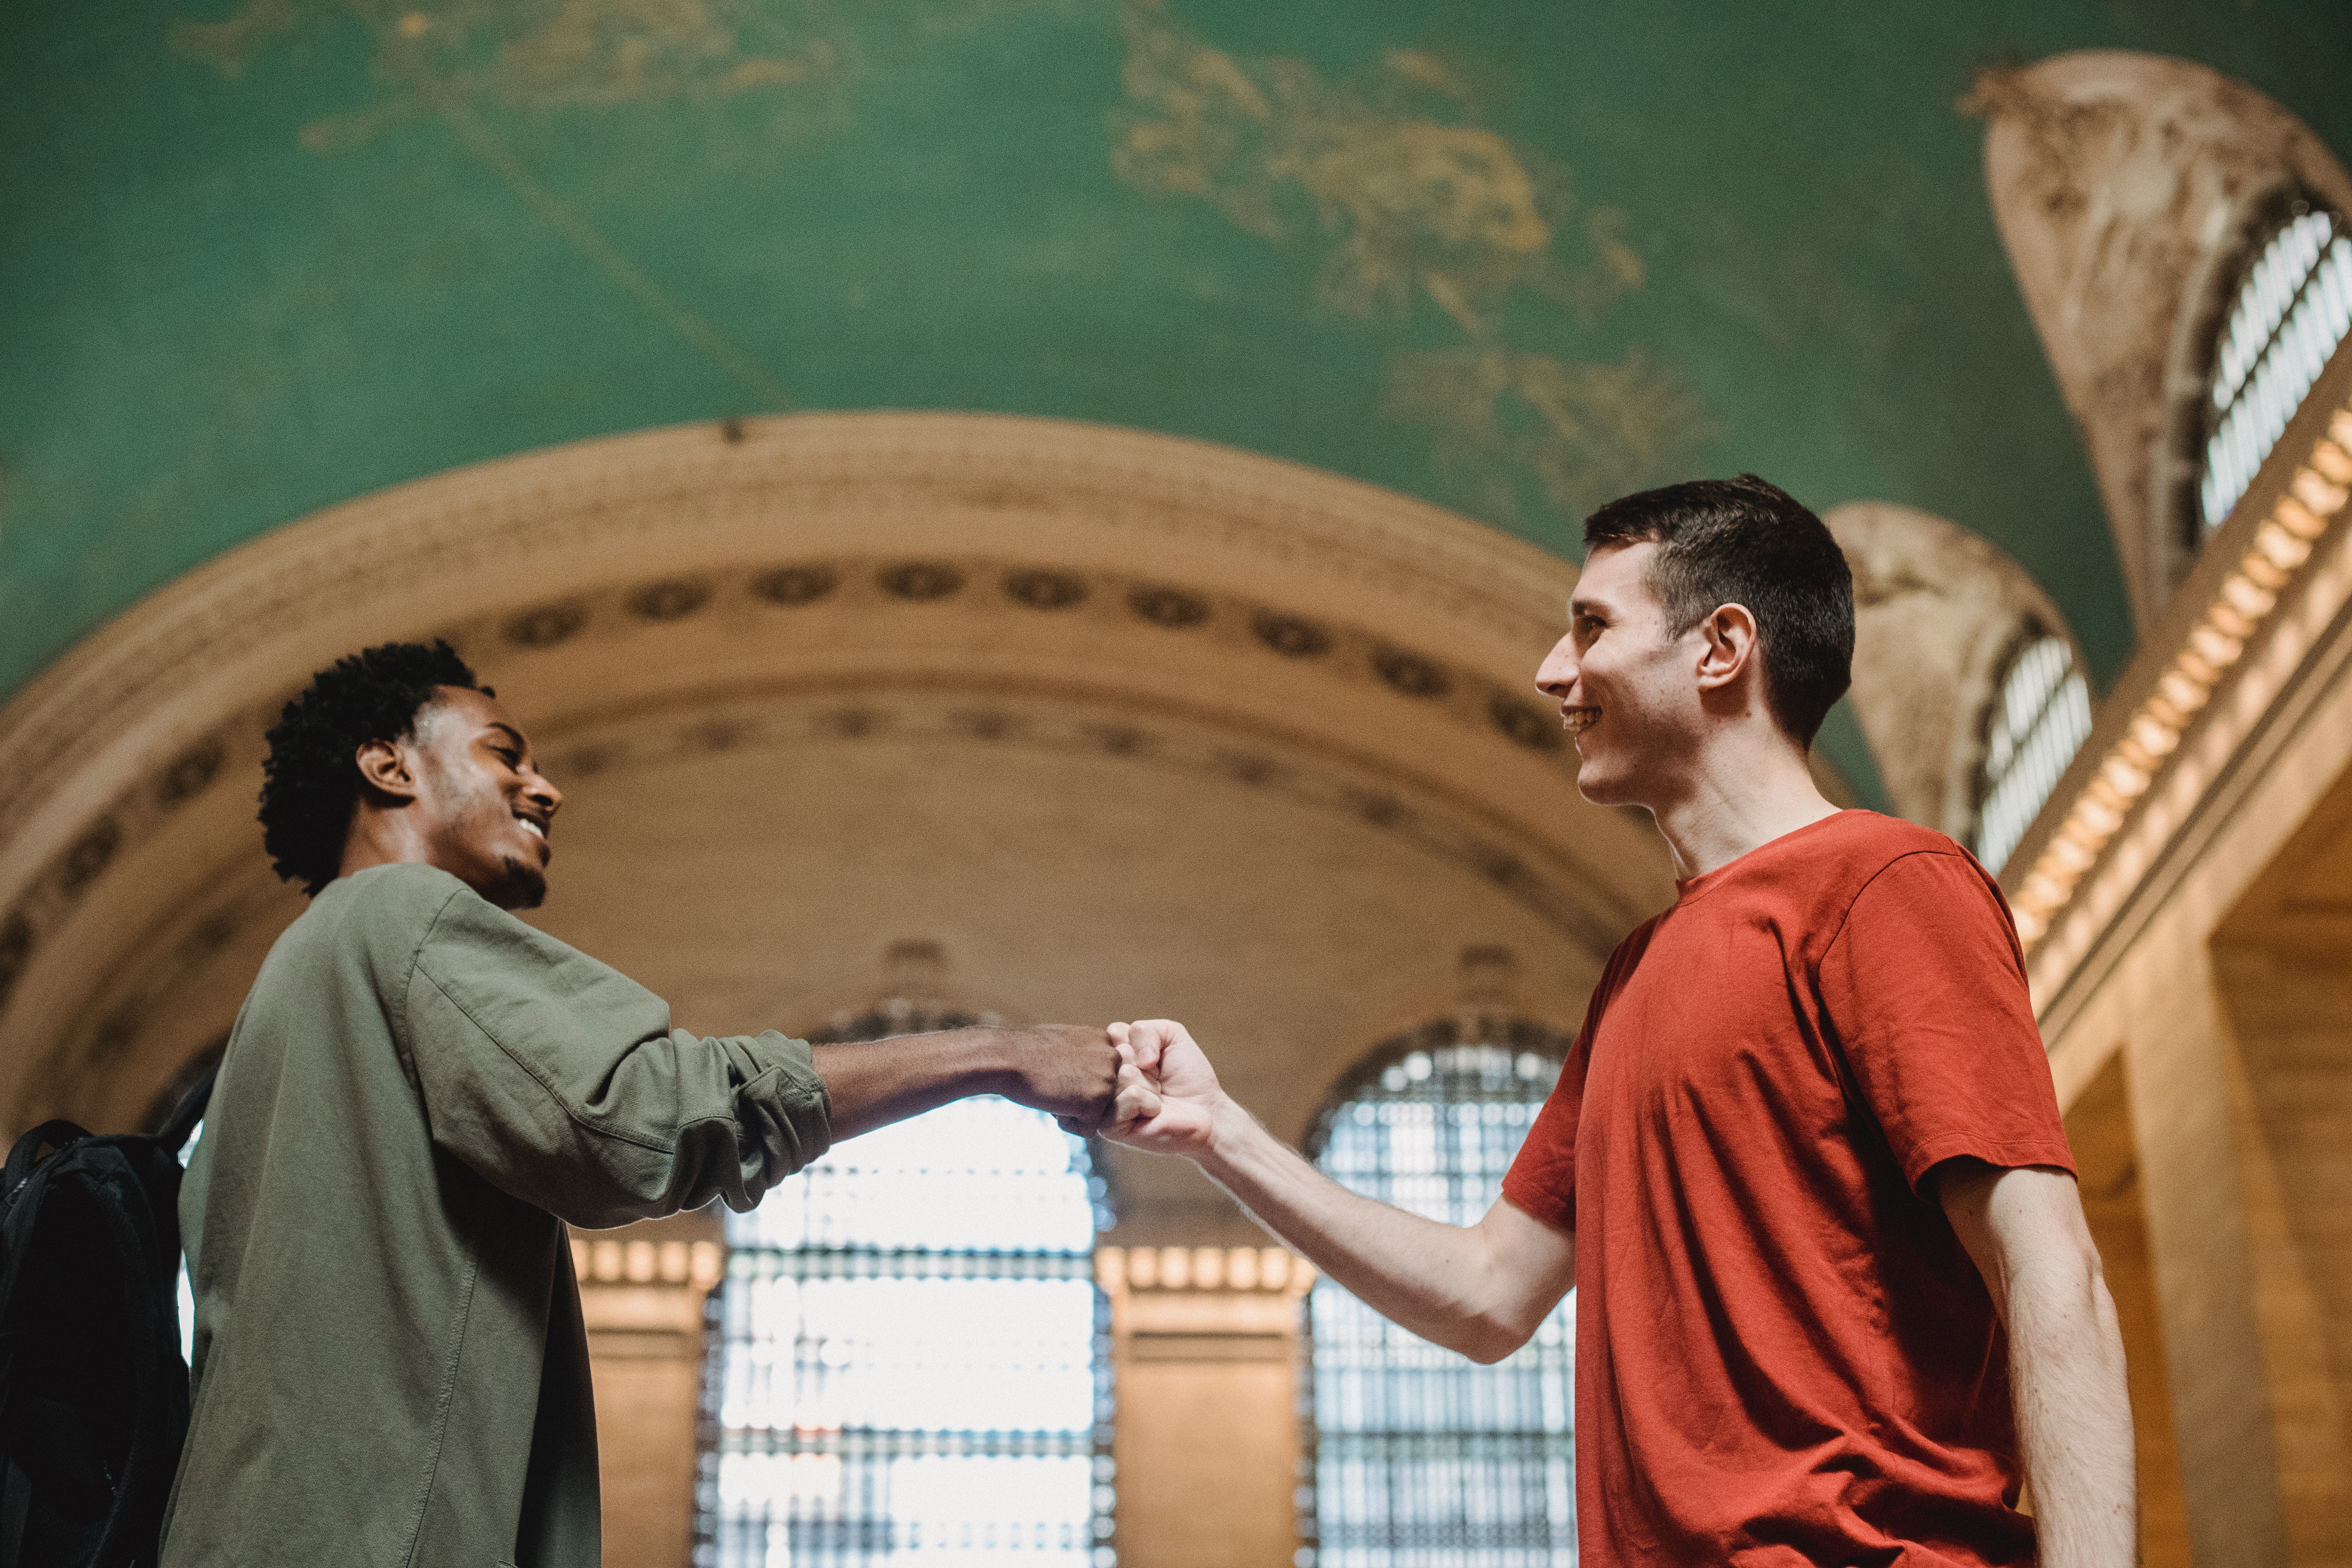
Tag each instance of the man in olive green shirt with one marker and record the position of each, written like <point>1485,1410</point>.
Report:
<point>390,1366</point>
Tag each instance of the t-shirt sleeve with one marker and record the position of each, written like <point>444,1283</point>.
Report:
<point>1541,1181</point>
<point>1923,987</point>
<point>562,1081</point>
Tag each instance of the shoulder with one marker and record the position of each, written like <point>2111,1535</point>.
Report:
<point>1865,837</point>
<point>1896,872</point>
<point>407,897</point>
<point>1861,847</point>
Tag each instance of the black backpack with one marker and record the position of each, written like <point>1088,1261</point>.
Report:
<point>93,1391</point>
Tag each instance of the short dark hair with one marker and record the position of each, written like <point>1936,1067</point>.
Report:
<point>1745,541</point>
<point>312,778</point>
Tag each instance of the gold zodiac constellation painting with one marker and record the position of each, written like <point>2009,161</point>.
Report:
<point>444,55</point>
<point>1584,433</point>
<point>1412,201</point>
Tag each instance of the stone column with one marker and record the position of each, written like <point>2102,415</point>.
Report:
<point>2182,1063</point>
<point>1206,1348</point>
<point>642,1290</point>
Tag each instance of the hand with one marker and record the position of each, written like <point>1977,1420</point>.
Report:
<point>1171,1103</point>
<point>1068,1069</point>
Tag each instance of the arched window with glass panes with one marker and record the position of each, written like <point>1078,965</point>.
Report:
<point>1420,1455</point>
<point>910,1358</point>
<point>2039,720</point>
<point>2292,308</point>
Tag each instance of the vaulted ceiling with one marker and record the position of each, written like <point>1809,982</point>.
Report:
<point>263,255</point>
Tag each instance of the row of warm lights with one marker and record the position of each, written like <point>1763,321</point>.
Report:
<point>1200,1269</point>
<point>1117,1268</point>
<point>2319,490</point>
<point>645,1262</point>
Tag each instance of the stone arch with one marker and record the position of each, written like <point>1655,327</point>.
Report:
<point>2128,189</point>
<point>1134,725</point>
<point>1939,613</point>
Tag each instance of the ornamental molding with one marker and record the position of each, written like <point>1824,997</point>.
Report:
<point>944,580</point>
<point>693,491</point>
<point>2258,632</point>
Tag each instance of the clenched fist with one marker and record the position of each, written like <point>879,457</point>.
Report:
<point>1071,1070</point>
<point>1169,1099</point>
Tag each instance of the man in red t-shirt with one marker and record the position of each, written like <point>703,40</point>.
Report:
<point>1837,1302</point>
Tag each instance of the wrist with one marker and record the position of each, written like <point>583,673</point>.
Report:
<point>1231,1129</point>
<point>991,1061</point>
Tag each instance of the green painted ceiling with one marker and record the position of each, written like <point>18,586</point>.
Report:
<point>261,256</point>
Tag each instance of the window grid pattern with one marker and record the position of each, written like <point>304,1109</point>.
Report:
<point>2040,721</point>
<point>2290,315</point>
<point>1422,1458</point>
<point>909,1358</point>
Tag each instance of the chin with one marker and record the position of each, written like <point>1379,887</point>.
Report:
<point>1595,784</point>
<point>521,885</point>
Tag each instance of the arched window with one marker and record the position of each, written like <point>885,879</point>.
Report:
<point>2293,310</point>
<point>1420,1455</point>
<point>909,1357</point>
<point>2039,721</point>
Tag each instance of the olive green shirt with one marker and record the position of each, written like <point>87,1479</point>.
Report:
<point>390,1362</point>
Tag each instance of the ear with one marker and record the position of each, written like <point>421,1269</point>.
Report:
<point>1729,647</point>
<point>385,765</point>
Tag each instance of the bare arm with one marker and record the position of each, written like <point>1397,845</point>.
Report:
<point>1481,1289</point>
<point>2024,1228</point>
<point>1063,1069</point>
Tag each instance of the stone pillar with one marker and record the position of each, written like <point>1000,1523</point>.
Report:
<point>2107,1156</point>
<point>2291,1013</point>
<point>642,1290</point>
<point>1205,1342</point>
<point>2181,1064</point>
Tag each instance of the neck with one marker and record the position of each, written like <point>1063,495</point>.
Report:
<point>380,837</point>
<point>1746,791</point>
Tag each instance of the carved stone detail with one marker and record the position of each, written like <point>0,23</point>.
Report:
<point>1939,611</point>
<point>2126,187</point>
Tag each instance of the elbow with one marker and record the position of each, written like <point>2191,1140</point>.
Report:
<point>1487,1338</point>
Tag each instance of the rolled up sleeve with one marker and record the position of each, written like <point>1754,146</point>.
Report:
<point>562,1081</point>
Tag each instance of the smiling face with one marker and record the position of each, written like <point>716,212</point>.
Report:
<point>484,810</point>
<point>1627,692</point>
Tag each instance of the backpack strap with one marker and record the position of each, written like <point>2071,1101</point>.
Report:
<point>27,1152</point>
<point>174,1133</point>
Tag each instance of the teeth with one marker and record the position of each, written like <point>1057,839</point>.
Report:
<point>1580,719</point>
<point>533,829</point>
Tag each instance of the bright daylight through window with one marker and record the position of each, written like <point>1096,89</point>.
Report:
<point>2039,720</point>
<point>911,1358</point>
<point>2294,308</point>
<point>1422,1458</point>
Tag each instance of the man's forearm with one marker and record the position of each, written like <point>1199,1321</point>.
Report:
<point>876,1082</point>
<point>2074,1419</point>
<point>1443,1282</point>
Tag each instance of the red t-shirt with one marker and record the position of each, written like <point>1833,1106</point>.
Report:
<point>1784,1355</point>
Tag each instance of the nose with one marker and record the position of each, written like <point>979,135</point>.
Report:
<point>1557,672</point>
<point>544,794</point>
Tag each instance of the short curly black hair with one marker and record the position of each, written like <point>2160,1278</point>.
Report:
<point>311,777</point>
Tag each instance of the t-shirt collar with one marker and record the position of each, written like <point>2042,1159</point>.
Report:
<point>1686,889</point>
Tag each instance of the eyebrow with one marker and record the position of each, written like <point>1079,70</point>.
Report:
<point>511,733</point>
